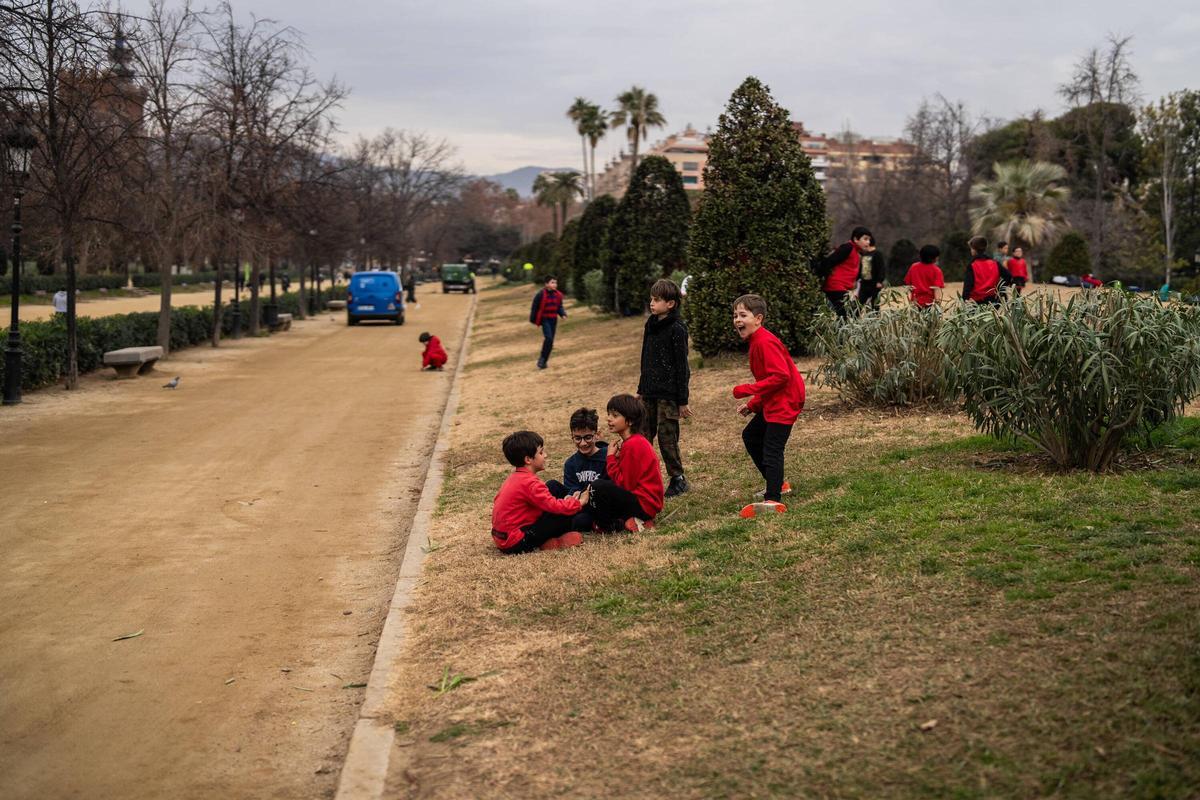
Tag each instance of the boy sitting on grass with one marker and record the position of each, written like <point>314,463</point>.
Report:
<point>525,516</point>
<point>632,495</point>
<point>775,400</point>
<point>586,465</point>
<point>434,357</point>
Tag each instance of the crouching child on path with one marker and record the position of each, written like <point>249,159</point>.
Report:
<point>632,495</point>
<point>663,386</point>
<point>586,465</point>
<point>525,516</point>
<point>775,400</point>
<point>434,356</point>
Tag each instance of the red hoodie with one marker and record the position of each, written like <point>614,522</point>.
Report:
<point>778,393</point>
<point>844,275</point>
<point>521,500</point>
<point>434,355</point>
<point>636,468</point>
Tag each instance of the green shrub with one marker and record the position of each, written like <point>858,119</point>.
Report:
<point>591,242</point>
<point>648,236</point>
<point>886,358</point>
<point>564,256</point>
<point>903,254</point>
<point>152,280</point>
<point>1074,379</point>
<point>760,223</point>
<point>54,283</point>
<point>956,254</point>
<point>1070,256</point>
<point>594,290</point>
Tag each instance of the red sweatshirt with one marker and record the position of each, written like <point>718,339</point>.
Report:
<point>844,275</point>
<point>1018,268</point>
<point>521,500</point>
<point>636,468</point>
<point>923,278</point>
<point>778,393</point>
<point>434,355</point>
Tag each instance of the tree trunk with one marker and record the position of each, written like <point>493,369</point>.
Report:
<point>586,182</point>
<point>164,305</point>
<point>72,327</point>
<point>303,312</point>
<point>633,168</point>
<point>255,312</point>
<point>216,329</point>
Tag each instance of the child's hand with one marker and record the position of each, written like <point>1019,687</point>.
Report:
<point>616,447</point>
<point>684,412</point>
<point>585,496</point>
<point>744,410</point>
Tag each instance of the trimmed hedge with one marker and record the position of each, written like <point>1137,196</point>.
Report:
<point>44,343</point>
<point>152,280</point>
<point>53,283</point>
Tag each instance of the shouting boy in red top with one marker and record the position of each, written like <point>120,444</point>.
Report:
<point>984,276</point>
<point>632,495</point>
<point>525,516</point>
<point>840,269</point>
<point>775,400</point>
<point>434,356</point>
<point>925,277</point>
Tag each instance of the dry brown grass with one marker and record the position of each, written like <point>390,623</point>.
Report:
<point>795,657</point>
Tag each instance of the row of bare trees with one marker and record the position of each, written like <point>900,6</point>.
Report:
<point>197,138</point>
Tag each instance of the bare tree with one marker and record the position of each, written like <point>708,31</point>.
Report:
<point>56,77</point>
<point>1101,90</point>
<point>942,131</point>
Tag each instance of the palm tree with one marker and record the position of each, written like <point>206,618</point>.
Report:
<point>557,190</point>
<point>579,113</point>
<point>595,126</point>
<point>637,109</point>
<point>1022,204</point>
<point>546,194</point>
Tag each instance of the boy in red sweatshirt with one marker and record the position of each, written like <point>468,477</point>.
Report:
<point>1018,267</point>
<point>926,278</point>
<point>839,270</point>
<point>775,400</point>
<point>434,356</point>
<point>984,277</point>
<point>525,516</point>
<point>632,495</point>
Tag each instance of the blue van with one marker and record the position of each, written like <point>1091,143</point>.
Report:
<point>374,295</point>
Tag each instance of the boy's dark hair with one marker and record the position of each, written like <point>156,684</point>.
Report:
<point>521,445</point>
<point>666,290</point>
<point>930,253</point>
<point>424,337</point>
<point>1001,245</point>
<point>978,244</point>
<point>859,232</point>
<point>630,408</point>
<point>753,303</point>
<point>585,419</point>
<point>871,239</point>
<point>549,278</point>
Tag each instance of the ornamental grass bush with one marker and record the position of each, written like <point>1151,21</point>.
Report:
<point>884,358</point>
<point>1075,379</point>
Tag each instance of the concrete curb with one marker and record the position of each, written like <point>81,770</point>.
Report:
<point>364,773</point>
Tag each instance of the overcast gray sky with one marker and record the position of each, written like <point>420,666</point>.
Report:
<point>495,77</point>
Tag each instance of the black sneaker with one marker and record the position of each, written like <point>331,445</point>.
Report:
<point>541,364</point>
<point>677,486</point>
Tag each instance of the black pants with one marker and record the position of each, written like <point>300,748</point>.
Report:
<point>581,521</point>
<point>549,326</point>
<point>765,442</point>
<point>868,295</point>
<point>548,526</point>
<point>837,301</point>
<point>611,505</point>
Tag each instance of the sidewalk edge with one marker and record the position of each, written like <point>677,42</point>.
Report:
<point>364,771</point>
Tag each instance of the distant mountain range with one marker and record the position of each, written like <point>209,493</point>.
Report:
<point>522,179</point>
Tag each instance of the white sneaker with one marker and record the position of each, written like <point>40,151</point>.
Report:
<point>763,507</point>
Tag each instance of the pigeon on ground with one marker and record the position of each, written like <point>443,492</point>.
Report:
<point>172,384</point>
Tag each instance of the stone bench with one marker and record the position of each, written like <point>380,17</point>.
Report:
<point>283,322</point>
<point>129,362</point>
<point>336,305</point>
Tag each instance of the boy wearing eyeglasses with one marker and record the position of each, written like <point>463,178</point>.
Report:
<point>586,465</point>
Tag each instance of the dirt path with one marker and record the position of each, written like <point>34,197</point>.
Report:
<point>249,523</point>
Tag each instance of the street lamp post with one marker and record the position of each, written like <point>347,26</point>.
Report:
<point>314,289</point>
<point>235,309</point>
<point>19,144</point>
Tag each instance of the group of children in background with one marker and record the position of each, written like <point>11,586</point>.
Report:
<point>856,268</point>
<point>618,486</point>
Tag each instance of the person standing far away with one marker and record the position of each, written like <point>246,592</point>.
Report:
<point>870,276</point>
<point>663,385</point>
<point>1019,270</point>
<point>1001,254</point>
<point>546,309</point>
<point>840,269</point>
<point>984,277</point>
<point>926,279</point>
<point>60,302</point>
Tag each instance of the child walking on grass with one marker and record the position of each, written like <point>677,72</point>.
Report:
<point>663,386</point>
<point>525,516</point>
<point>632,495</point>
<point>925,277</point>
<point>774,401</point>
<point>434,357</point>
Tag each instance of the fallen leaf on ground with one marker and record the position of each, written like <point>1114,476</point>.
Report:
<point>130,635</point>
<point>231,680</point>
<point>929,725</point>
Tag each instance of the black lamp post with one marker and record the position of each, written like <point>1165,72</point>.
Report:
<point>313,289</point>
<point>235,309</point>
<point>19,144</point>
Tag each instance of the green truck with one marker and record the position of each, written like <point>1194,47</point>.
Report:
<point>458,277</point>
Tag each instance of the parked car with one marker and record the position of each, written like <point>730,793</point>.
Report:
<point>374,295</point>
<point>458,277</point>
